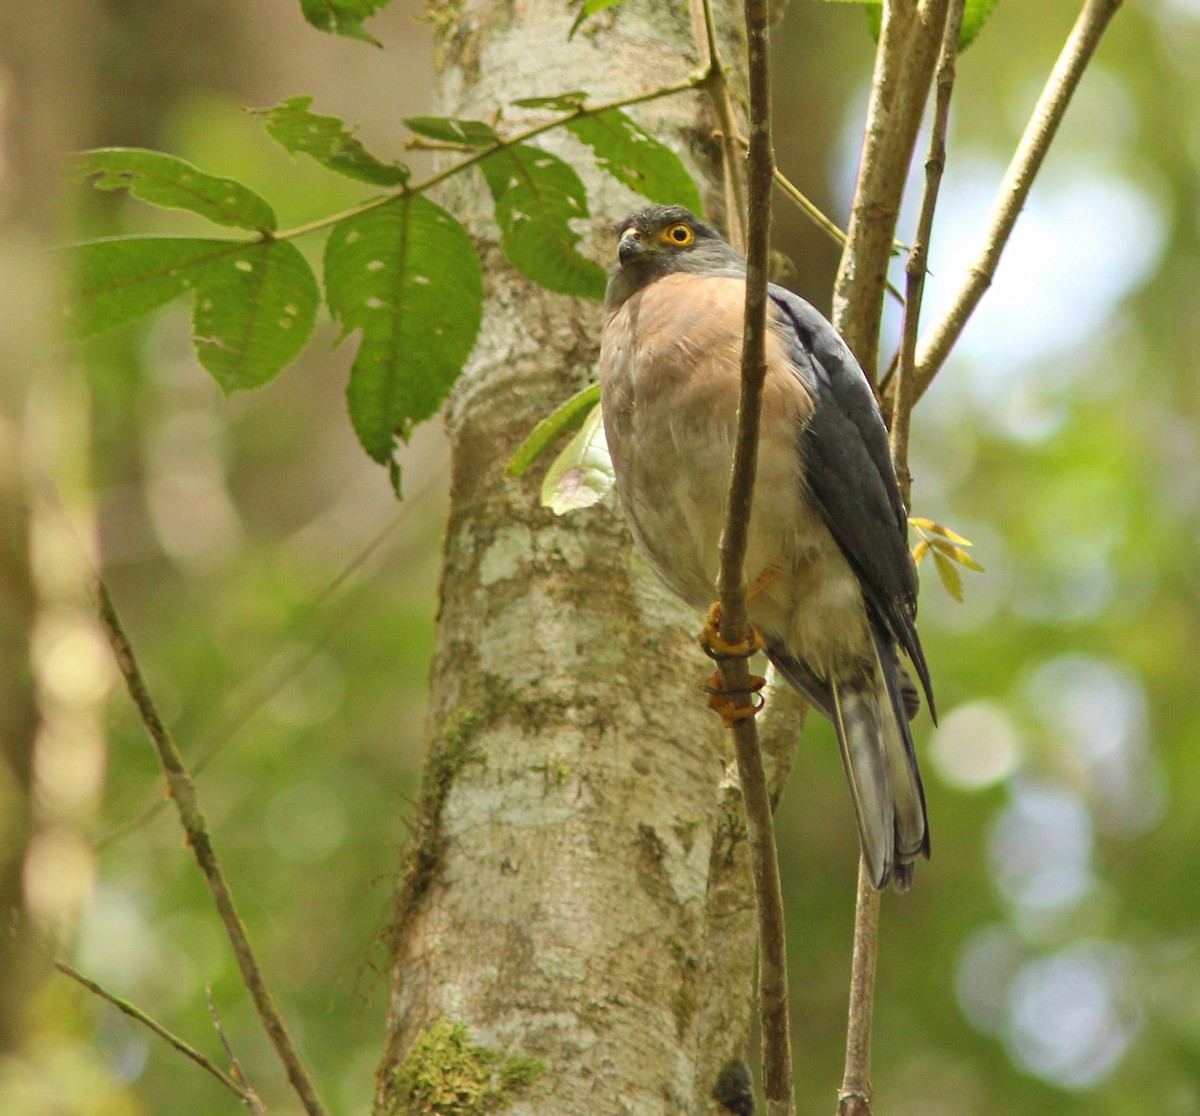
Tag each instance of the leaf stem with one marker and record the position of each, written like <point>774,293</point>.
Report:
<point>684,85</point>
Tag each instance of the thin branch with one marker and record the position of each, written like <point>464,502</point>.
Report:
<point>1047,114</point>
<point>772,985</point>
<point>184,1048</point>
<point>182,791</point>
<point>904,64</point>
<point>854,1097</point>
<point>252,1099</point>
<point>935,165</point>
<point>684,85</point>
<point>908,46</point>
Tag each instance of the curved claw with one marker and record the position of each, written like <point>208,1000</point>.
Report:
<point>720,700</point>
<point>716,648</point>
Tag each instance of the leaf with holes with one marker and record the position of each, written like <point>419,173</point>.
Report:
<point>406,274</point>
<point>564,417</point>
<point>256,301</point>
<point>327,139</point>
<point>172,183</point>
<point>537,195</point>
<point>631,156</point>
<point>582,474</point>
<point>474,133</point>
<point>342,17</point>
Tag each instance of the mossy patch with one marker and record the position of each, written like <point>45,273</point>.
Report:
<point>446,1074</point>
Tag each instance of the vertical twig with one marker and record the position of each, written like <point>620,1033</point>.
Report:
<point>854,1097</point>
<point>899,90</point>
<point>182,791</point>
<point>918,257</point>
<point>903,72</point>
<point>714,83</point>
<point>1047,114</point>
<point>773,990</point>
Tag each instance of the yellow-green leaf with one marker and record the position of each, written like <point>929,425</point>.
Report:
<point>564,417</point>
<point>950,576</point>
<point>582,474</point>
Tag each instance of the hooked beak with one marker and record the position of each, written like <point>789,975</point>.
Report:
<point>630,246</point>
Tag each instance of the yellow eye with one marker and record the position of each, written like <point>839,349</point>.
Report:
<point>679,234</point>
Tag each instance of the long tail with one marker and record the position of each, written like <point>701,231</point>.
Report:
<point>881,768</point>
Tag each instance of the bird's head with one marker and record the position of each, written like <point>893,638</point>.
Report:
<point>661,240</point>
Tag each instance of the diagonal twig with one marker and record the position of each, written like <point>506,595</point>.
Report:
<point>184,1048</point>
<point>1047,114</point>
<point>182,791</point>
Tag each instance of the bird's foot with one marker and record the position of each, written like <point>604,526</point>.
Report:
<point>720,700</point>
<point>717,648</point>
<point>762,583</point>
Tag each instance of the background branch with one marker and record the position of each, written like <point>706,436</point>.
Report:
<point>182,791</point>
<point>904,64</point>
<point>247,1097</point>
<point>1047,114</point>
<point>918,258</point>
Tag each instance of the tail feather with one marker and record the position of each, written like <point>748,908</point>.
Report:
<point>856,718</point>
<point>881,768</point>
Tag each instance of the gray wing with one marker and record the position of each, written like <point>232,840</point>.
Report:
<point>844,448</point>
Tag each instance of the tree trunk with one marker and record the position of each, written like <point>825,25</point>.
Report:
<point>576,893</point>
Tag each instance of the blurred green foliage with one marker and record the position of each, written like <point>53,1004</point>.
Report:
<point>1048,957</point>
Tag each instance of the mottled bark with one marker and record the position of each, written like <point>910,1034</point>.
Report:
<point>577,888</point>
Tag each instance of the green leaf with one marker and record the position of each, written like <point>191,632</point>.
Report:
<point>172,183</point>
<point>560,102</point>
<point>950,576</point>
<point>327,140</point>
<point>975,15</point>
<point>256,301</point>
<point>342,17</point>
<point>582,474</point>
<point>631,156</point>
<point>474,133</point>
<point>537,196</point>
<point>920,551</point>
<point>406,274</point>
<point>564,417</point>
<point>590,8</point>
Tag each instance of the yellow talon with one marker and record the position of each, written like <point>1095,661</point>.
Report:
<point>717,648</point>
